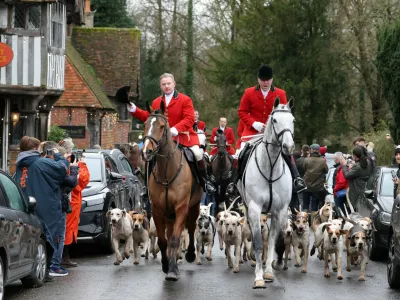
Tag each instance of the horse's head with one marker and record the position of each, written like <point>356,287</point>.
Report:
<point>280,126</point>
<point>221,142</point>
<point>156,131</point>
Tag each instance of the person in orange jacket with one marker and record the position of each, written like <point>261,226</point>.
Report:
<point>71,233</point>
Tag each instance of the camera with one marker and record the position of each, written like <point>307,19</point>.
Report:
<point>49,152</point>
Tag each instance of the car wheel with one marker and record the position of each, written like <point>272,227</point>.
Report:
<point>36,278</point>
<point>106,244</point>
<point>374,253</point>
<point>1,279</point>
<point>393,272</point>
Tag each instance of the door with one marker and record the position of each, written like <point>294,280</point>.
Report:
<point>396,225</point>
<point>116,186</point>
<point>29,228</point>
<point>10,233</point>
<point>130,178</point>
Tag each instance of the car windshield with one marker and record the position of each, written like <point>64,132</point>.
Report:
<point>94,166</point>
<point>387,185</point>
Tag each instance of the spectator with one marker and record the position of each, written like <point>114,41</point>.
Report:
<point>336,158</point>
<point>305,152</point>
<point>315,169</point>
<point>97,147</point>
<point>42,178</point>
<point>71,233</point>
<point>340,187</point>
<point>396,179</point>
<point>357,175</point>
<point>322,151</point>
<point>67,186</point>
<point>360,141</point>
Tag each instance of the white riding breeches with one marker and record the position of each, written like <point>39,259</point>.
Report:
<point>197,151</point>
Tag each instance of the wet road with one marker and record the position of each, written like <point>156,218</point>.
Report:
<point>97,278</point>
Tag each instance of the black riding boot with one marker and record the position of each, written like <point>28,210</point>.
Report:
<point>298,182</point>
<point>145,192</point>
<point>208,187</point>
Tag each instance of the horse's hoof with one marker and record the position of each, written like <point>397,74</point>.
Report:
<point>269,277</point>
<point>259,284</point>
<point>165,269</point>
<point>277,266</point>
<point>190,257</point>
<point>171,277</point>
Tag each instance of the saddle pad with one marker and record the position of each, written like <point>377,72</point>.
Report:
<point>188,155</point>
<point>245,154</point>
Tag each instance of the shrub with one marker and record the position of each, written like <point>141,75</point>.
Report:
<point>56,134</point>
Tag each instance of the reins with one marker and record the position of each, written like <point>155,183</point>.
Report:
<point>269,179</point>
<point>166,183</point>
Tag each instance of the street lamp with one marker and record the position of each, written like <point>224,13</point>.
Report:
<point>15,114</point>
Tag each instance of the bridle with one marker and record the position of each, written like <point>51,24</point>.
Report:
<point>157,144</point>
<point>278,143</point>
<point>156,149</point>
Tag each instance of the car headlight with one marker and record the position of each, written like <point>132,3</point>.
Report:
<point>385,217</point>
<point>95,199</point>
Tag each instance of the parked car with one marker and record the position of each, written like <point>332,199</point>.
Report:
<point>329,185</point>
<point>378,207</point>
<point>125,169</point>
<point>393,266</point>
<point>22,240</point>
<point>106,190</point>
<point>330,159</point>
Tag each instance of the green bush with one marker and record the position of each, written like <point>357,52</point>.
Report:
<point>56,134</point>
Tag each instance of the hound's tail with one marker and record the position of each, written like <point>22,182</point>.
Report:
<point>349,203</point>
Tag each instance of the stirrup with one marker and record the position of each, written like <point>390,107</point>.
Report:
<point>299,185</point>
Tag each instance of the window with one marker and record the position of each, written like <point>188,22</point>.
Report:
<point>126,165</point>
<point>12,192</point>
<point>94,166</point>
<point>26,16</point>
<point>387,185</point>
<point>57,28</point>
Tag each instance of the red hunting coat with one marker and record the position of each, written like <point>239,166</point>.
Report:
<point>254,108</point>
<point>180,114</point>
<point>230,139</point>
<point>239,132</point>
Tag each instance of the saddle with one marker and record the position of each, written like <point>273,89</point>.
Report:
<point>190,158</point>
<point>245,154</point>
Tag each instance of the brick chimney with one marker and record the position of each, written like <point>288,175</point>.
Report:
<point>89,15</point>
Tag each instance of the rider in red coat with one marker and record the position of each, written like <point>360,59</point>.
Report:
<point>199,125</point>
<point>230,137</point>
<point>180,114</point>
<point>240,130</point>
<point>255,108</point>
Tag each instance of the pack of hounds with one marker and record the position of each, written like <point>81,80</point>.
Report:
<point>351,232</point>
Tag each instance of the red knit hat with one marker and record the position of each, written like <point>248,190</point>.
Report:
<point>323,150</point>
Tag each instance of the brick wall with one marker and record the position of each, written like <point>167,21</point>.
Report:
<point>113,53</point>
<point>122,133</point>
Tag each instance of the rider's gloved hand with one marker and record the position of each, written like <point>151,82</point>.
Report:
<point>174,131</point>
<point>258,126</point>
<point>131,107</point>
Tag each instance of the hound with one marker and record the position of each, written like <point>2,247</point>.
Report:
<point>356,242</point>
<point>324,215</point>
<point>121,229</point>
<point>205,237</point>
<point>288,239</point>
<point>140,235</point>
<point>246,242</point>
<point>264,235</point>
<point>333,244</point>
<point>232,236</point>
<point>205,210</point>
<point>301,239</point>
<point>153,239</point>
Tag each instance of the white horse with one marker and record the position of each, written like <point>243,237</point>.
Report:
<point>266,186</point>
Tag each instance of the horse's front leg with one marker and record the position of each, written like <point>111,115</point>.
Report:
<point>174,242</point>
<point>254,213</point>
<point>193,214</point>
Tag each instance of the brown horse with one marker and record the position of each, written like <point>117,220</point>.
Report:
<point>175,195</point>
<point>221,170</point>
